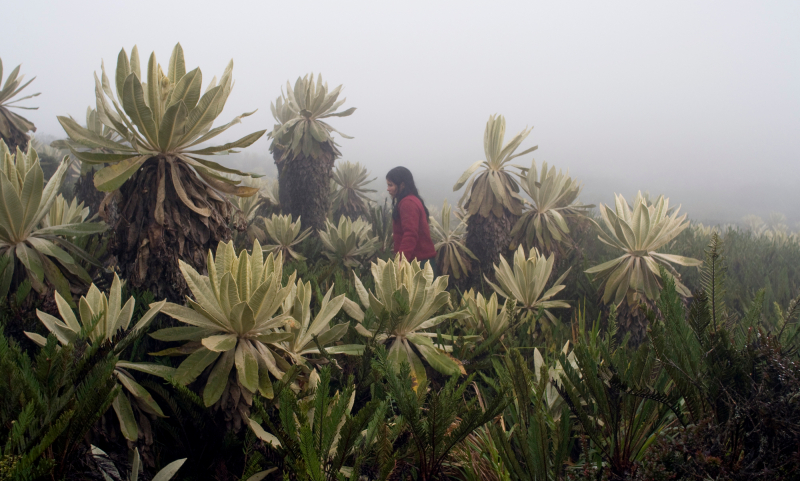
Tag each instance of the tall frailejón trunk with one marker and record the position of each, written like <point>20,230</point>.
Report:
<point>283,180</point>
<point>307,182</point>
<point>17,138</point>
<point>86,192</point>
<point>488,238</point>
<point>148,242</point>
<point>633,320</point>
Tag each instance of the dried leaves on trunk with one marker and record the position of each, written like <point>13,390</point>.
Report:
<point>148,240</point>
<point>305,183</point>
<point>86,192</point>
<point>488,238</point>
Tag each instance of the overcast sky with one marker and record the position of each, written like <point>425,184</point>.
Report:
<point>696,100</point>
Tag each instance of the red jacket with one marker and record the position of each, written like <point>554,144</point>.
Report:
<point>412,234</point>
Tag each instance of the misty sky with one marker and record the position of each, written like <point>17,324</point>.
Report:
<point>696,100</point>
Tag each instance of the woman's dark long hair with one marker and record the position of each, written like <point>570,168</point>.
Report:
<point>400,176</point>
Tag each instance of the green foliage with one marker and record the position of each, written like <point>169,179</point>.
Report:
<point>705,352</point>
<point>753,262</point>
<point>50,402</point>
<point>619,397</point>
<point>737,377</point>
<point>436,420</point>
<point>538,445</point>
<point>317,436</point>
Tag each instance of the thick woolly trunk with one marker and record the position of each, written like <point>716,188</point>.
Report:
<point>283,181</point>
<point>307,184</point>
<point>488,238</point>
<point>15,138</point>
<point>148,243</point>
<point>86,192</point>
<point>632,320</point>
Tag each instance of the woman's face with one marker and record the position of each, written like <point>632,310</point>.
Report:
<point>392,188</point>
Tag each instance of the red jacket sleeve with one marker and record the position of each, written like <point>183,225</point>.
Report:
<point>409,219</point>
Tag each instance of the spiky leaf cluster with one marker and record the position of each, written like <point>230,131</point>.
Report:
<point>300,130</point>
<point>553,201</point>
<point>231,320</point>
<point>412,299</point>
<point>110,472</point>
<point>164,116</point>
<point>26,200</point>
<point>350,243</point>
<point>452,254</point>
<point>101,319</point>
<point>63,213</point>
<point>307,334</point>
<point>14,127</point>
<point>639,231</point>
<point>494,189</point>
<point>350,192</point>
<point>525,282</point>
<point>317,435</point>
<point>486,314</point>
<point>284,235</point>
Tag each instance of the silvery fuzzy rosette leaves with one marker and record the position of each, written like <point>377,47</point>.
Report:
<point>14,127</point>
<point>44,251</point>
<point>639,232</point>
<point>452,254</point>
<point>231,321</point>
<point>301,129</point>
<point>554,197</point>
<point>494,189</point>
<point>284,235</point>
<point>350,192</point>
<point>160,115</point>
<point>487,315</point>
<point>526,280</point>
<point>311,331</point>
<point>350,243</point>
<point>423,297</point>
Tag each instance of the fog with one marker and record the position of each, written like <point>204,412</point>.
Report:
<point>699,101</point>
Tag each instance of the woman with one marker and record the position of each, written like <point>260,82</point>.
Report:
<point>412,234</point>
